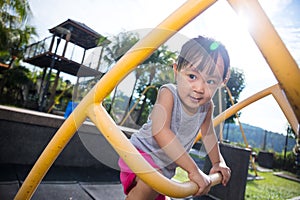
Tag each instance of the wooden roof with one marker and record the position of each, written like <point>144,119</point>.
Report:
<point>81,34</point>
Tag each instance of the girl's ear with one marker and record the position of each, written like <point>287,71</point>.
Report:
<point>175,70</point>
<point>174,66</point>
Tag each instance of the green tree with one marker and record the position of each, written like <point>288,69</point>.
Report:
<point>15,34</point>
<point>236,84</point>
<point>14,83</point>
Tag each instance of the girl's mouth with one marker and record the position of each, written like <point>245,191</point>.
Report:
<point>195,99</point>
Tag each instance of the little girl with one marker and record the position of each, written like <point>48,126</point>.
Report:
<point>180,111</point>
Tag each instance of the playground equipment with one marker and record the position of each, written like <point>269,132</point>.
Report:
<point>278,57</point>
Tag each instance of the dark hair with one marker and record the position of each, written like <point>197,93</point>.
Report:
<point>205,50</point>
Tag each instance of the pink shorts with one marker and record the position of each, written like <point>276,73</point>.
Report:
<point>127,177</point>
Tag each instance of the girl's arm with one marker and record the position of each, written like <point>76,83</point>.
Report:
<point>166,139</point>
<point>210,142</point>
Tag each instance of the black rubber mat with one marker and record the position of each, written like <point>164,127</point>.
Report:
<point>69,183</point>
<point>56,190</point>
<point>104,192</point>
<point>8,190</point>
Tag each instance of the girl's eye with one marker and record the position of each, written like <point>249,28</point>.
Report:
<point>211,82</point>
<point>192,76</point>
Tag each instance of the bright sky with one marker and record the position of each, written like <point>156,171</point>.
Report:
<point>219,21</point>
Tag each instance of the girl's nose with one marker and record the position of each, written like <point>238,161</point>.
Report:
<point>199,87</point>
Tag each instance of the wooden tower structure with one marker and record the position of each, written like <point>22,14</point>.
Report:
<point>52,53</point>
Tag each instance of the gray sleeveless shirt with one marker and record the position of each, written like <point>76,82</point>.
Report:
<point>184,126</point>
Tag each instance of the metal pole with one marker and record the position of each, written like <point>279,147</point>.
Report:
<point>285,145</point>
<point>45,91</point>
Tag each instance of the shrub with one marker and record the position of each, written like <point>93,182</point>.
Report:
<point>288,164</point>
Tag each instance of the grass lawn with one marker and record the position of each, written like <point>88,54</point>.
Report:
<point>271,187</point>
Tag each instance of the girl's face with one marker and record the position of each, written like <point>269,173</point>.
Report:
<point>196,88</point>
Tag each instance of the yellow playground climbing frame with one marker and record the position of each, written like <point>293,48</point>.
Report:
<point>286,93</point>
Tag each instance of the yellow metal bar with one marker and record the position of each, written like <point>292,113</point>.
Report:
<point>283,66</point>
<point>285,107</point>
<point>220,110</point>
<point>137,54</point>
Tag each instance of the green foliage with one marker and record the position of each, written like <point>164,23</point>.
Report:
<point>12,83</point>
<point>14,32</point>
<point>287,163</point>
<point>19,87</point>
<point>236,83</point>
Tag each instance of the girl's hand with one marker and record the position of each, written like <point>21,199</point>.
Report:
<point>223,169</point>
<point>202,180</point>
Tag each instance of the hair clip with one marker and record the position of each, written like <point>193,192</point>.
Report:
<point>213,46</point>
